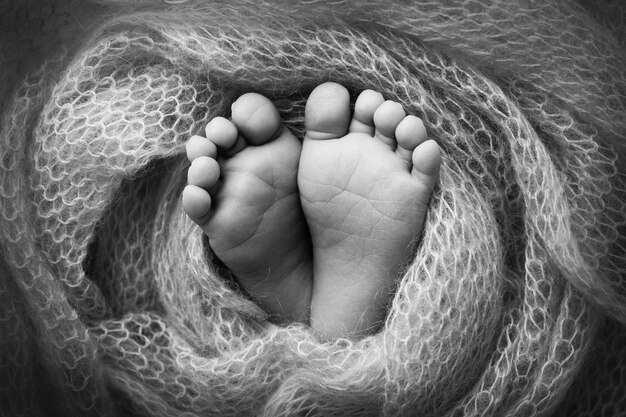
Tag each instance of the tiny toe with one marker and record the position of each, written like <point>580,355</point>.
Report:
<point>327,112</point>
<point>197,204</point>
<point>198,146</point>
<point>426,162</point>
<point>364,109</point>
<point>221,132</point>
<point>204,172</point>
<point>409,134</point>
<point>386,119</point>
<point>256,117</point>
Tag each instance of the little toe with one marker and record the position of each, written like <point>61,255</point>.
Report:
<point>256,117</point>
<point>386,119</point>
<point>327,112</point>
<point>409,134</point>
<point>197,204</point>
<point>198,146</point>
<point>426,162</point>
<point>364,109</point>
<point>204,172</point>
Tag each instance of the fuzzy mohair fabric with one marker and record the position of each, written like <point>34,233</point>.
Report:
<point>111,304</point>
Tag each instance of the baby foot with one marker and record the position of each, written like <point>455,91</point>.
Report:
<point>248,205</point>
<point>364,185</point>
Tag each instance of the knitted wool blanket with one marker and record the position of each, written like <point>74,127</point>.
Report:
<point>515,303</point>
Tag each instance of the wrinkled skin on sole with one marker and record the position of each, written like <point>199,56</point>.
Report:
<point>31,31</point>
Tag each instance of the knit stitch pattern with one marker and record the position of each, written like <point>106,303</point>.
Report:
<point>111,302</point>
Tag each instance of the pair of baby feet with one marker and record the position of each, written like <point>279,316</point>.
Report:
<point>316,232</point>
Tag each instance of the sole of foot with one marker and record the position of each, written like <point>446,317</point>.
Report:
<point>248,205</point>
<point>365,180</point>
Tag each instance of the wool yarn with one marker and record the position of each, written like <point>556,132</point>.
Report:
<point>515,301</point>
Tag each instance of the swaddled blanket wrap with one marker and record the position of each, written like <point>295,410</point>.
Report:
<point>514,303</point>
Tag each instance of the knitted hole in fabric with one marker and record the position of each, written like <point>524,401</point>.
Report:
<point>108,293</point>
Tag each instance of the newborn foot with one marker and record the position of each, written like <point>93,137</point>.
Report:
<point>364,185</point>
<point>248,205</point>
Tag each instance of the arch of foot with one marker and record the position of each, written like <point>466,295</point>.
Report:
<point>493,315</point>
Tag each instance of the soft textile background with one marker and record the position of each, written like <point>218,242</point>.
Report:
<point>110,304</point>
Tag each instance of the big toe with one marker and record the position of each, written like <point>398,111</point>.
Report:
<point>256,117</point>
<point>327,112</point>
